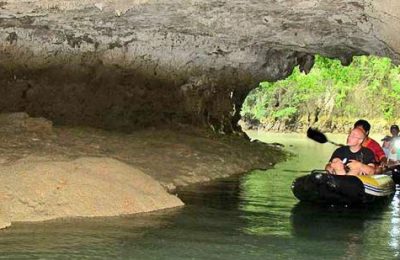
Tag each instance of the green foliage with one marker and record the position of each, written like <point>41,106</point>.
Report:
<point>285,113</point>
<point>369,87</point>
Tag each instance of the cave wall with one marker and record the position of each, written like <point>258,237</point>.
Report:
<point>160,63</point>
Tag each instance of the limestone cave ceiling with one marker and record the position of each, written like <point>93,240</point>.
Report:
<point>185,44</point>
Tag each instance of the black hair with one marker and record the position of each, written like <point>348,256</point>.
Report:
<point>364,124</point>
<point>395,127</point>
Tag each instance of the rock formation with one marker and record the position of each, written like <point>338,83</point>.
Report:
<point>39,189</point>
<point>129,64</point>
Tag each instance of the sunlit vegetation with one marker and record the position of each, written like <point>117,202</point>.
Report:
<point>368,88</point>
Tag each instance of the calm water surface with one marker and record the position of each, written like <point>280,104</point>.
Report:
<point>254,216</point>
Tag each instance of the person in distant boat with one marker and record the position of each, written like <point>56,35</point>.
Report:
<point>386,145</point>
<point>380,156</point>
<point>391,146</point>
<point>352,159</point>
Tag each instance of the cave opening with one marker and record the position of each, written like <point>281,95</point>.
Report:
<point>330,97</point>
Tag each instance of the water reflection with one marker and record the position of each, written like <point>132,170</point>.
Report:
<point>395,226</point>
<point>341,228</point>
<point>332,223</point>
<point>265,200</point>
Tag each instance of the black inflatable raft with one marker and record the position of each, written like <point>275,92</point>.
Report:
<point>321,187</point>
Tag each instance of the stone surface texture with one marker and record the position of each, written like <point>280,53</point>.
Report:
<point>132,64</point>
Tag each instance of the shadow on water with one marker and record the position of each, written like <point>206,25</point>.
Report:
<point>326,222</point>
<point>220,194</point>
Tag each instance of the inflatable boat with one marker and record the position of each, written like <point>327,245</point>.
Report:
<point>324,188</point>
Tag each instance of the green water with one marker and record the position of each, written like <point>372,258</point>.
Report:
<point>254,216</point>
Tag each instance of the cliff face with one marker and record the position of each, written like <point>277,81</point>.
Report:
<point>132,64</point>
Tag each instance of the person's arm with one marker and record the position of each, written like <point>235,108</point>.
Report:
<point>357,168</point>
<point>368,169</point>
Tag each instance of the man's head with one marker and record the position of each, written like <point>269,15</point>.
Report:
<point>394,130</point>
<point>356,137</point>
<point>364,125</point>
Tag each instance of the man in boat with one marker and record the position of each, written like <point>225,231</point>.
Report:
<point>380,156</point>
<point>352,159</point>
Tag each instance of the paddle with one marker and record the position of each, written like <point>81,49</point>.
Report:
<point>319,137</point>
